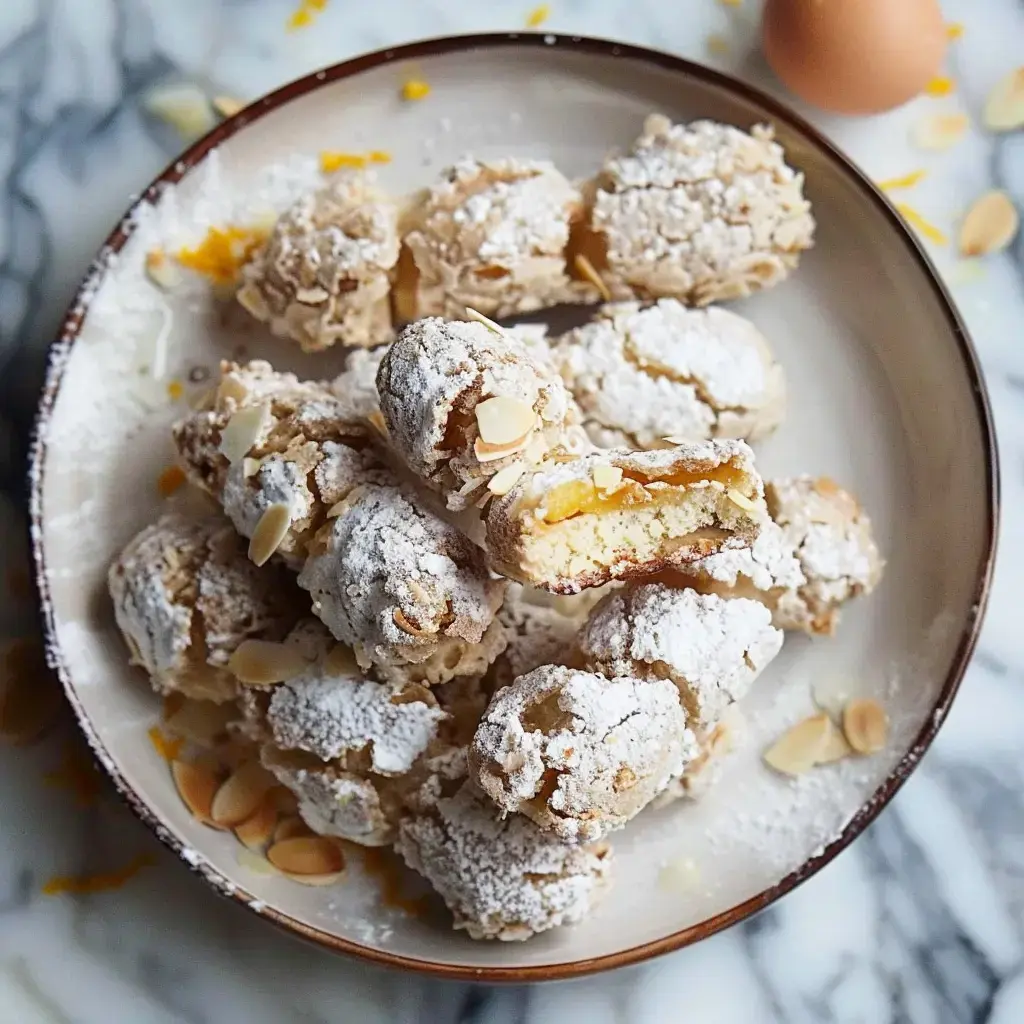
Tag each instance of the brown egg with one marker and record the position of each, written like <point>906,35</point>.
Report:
<point>854,56</point>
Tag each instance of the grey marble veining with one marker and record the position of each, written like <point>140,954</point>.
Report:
<point>920,921</point>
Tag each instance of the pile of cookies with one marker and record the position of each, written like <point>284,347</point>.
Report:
<point>488,594</point>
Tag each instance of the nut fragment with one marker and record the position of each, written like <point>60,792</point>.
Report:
<point>799,749</point>
<point>227,106</point>
<point>399,619</point>
<point>739,499</point>
<point>196,785</point>
<point>270,531</point>
<point>989,225</point>
<point>291,827</point>
<point>341,661</point>
<point>937,132</point>
<point>836,747</point>
<point>240,795</point>
<point>606,478</point>
<point>472,314</point>
<point>505,479</point>
<point>258,829</point>
<point>504,421</point>
<point>485,452</point>
<point>586,270</point>
<point>265,662</point>
<point>1004,108</point>
<point>866,726</point>
<point>243,430</point>
<point>307,855</point>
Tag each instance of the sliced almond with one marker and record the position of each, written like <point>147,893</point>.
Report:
<point>227,106</point>
<point>399,619</point>
<point>485,452</point>
<point>341,661</point>
<point>243,430</point>
<point>937,132</point>
<point>740,500</point>
<point>1004,108</point>
<point>866,726</point>
<point>182,105</point>
<point>250,467</point>
<point>291,827</point>
<point>606,478</point>
<point>258,829</point>
<point>505,479</point>
<point>472,314</point>
<point>196,785</point>
<point>504,421</point>
<point>201,721</point>
<point>307,855</point>
<point>241,794</point>
<point>231,389</point>
<point>536,448</point>
<point>265,662</point>
<point>270,531</point>
<point>587,271</point>
<point>836,747</point>
<point>989,225</point>
<point>799,749</point>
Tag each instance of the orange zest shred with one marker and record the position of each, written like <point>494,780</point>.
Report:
<point>415,89</point>
<point>334,160</point>
<point>941,86</point>
<point>914,219</point>
<point>167,747</point>
<point>175,390</point>
<point>304,15</point>
<point>77,774</point>
<point>954,30</point>
<point>379,156</point>
<point>905,181</point>
<point>220,255</point>
<point>170,481</point>
<point>538,15</point>
<point>84,884</point>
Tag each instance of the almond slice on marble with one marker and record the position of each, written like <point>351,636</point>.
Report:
<point>243,430</point>
<point>505,479</point>
<point>307,855</point>
<point>258,829</point>
<point>588,272</point>
<point>291,827</point>
<point>270,531</point>
<point>472,314</point>
<point>240,795</point>
<point>1004,108</point>
<point>866,726</point>
<point>196,785</point>
<point>182,105</point>
<point>504,421</point>
<point>266,662</point>
<point>798,749</point>
<point>989,225</point>
<point>937,132</point>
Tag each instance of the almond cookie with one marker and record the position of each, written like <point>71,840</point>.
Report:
<point>490,235</point>
<point>577,753</point>
<point>356,386</point>
<point>816,554</point>
<point>711,648</point>
<point>699,212</point>
<point>641,375</point>
<point>464,404</point>
<point>403,588</point>
<point>621,514</point>
<point>501,877</point>
<point>267,444</point>
<point>322,275</point>
<point>716,745</point>
<point>185,597</point>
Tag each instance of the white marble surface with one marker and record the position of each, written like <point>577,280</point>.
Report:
<point>921,921</point>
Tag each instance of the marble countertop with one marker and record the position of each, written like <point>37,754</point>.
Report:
<point>921,921</point>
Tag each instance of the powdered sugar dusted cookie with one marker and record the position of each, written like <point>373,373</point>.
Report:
<point>403,588</point>
<point>490,235</point>
<point>356,386</point>
<point>619,514</point>
<point>716,744</point>
<point>277,453</point>
<point>501,877</point>
<point>711,648</point>
<point>578,753</point>
<point>641,375</point>
<point>185,596</point>
<point>465,404</point>
<point>322,276</point>
<point>699,212</point>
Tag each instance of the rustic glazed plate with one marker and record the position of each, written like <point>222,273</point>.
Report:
<point>885,397</point>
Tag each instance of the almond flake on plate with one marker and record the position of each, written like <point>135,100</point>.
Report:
<point>798,749</point>
<point>307,855</point>
<point>866,726</point>
<point>239,796</point>
<point>937,132</point>
<point>196,785</point>
<point>836,747</point>
<point>291,827</point>
<point>266,662</point>
<point>258,829</point>
<point>989,225</point>
<point>504,421</point>
<point>1004,108</point>
<point>270,531</point>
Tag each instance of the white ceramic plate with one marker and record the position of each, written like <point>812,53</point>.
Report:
<point>885,397</point>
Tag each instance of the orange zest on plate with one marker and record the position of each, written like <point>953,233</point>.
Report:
<point>220,255</point>
<point>927,229</point>
<point>904,181</point>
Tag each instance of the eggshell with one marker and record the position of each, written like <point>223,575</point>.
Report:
<point>854,56</point>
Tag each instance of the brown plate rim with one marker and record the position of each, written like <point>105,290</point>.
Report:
<point>71,325</point>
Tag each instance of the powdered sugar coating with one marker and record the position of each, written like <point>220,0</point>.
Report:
<point>397,583</point>
<point>492,235</point>
<point>666,496</point>
<point>711,648</point>
<point>768,564</point>
<point>185,596</point>
<point>699,212</point>
<point>578,753</point>
<point>502,878</point>
<point>640,375</point>
<point>356,386</point>
<point>322,276</point>
<point>537,635</point>
<point>431,381</point>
